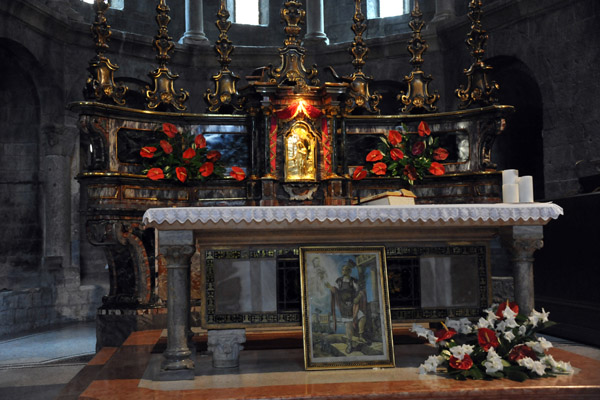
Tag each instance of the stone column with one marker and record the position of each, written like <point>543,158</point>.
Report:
<point>525,241</point>
<point>315,26</point>
<point>194,24</point>
<point>177,247</point>
<point>444,9</point>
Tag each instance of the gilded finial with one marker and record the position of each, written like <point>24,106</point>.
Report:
<point>292,15</point>
<point>292,71</point>
<point>225,96</point>
<point>358,95</point>
<point>478,91</point>
<point>163,95</point>
<point>100,85</point>
<point>417,97</point>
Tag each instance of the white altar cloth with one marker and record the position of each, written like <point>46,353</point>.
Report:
<point>471,214</point>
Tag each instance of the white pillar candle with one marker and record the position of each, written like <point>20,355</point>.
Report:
<point>510,193</point>
<point>526,189</point>
<point>510,176</point>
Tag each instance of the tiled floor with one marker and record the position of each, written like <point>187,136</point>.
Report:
<point>39,367</point>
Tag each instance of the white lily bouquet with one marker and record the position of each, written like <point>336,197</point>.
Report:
<point>501,344</point>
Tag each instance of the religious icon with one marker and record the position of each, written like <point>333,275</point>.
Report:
<point>299,148</point>
<point>345,308</point>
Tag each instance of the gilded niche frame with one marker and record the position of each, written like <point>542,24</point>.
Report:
<point>345,308</point>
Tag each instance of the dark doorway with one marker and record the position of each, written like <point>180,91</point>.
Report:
<point>520,146</point>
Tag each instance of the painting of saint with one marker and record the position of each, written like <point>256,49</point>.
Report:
<point>346,318</point>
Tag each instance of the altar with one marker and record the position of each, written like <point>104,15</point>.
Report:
<point>182,231</point>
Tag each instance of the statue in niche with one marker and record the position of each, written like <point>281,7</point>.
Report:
<point>300,154</point>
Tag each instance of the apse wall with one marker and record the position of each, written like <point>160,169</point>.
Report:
<point>55,275</point>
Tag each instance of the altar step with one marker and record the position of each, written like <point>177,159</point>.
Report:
<point>122,373</point>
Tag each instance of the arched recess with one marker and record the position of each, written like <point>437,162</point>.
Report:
<point>21,227</point>
<point>520,146</point>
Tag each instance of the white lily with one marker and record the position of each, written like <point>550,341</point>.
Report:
<point>460,351</point>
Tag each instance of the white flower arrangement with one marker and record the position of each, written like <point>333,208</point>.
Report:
<point>501,344</point>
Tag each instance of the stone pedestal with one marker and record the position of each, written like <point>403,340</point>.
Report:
<point>225,346</point>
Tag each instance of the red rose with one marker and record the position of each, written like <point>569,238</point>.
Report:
<point>465,364</point>
<point>206,169</point>
<point>487,338</point>
<point>418,148</point>
<point>181,173</point>
<point>359,173</point>
<point>213,156</point>
<point>169,129</point>
<point>189,154</point>
<point>166,146</point>
<point>444,334</point>
<point>237,173</point>
<point>200,141</point>
<point>440,154</point>
<point>374,155</point>
<point>521,351</point>
<point>513,306</point>
<point>424,129</point>
<point>396,154</point>
<point>410,172</point>
<point>437,169</point>
<point>147,152</point>
<point>379,168</point>
<point>394,137</point>
<point>155,174</point>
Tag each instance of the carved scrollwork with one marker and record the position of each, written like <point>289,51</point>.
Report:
<point>100,85</point>
<point>479,91</point>
<point>225,97</point>
<point>292,71</point>
<point>417,97</point>
<point>162,95</point>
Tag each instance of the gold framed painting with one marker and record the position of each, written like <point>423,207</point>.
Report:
<point>345,308</point>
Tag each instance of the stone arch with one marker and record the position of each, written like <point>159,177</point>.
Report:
<point>21,233</point>
<point>521,145</point>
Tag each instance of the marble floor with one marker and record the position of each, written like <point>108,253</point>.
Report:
<point>59,369</point>
<point>37,365</point>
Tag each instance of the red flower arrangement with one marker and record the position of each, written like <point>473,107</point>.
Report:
<point>184,157</point>
<point>493,347</point>
<point>409,157</point>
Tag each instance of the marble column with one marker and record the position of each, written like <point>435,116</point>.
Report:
<point>177,247</point>
<point>525,241</point>
<point>194,24</point>
<point>444,9</point>
<point>315,26</point>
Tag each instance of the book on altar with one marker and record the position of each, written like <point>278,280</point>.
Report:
<point>403,197</point>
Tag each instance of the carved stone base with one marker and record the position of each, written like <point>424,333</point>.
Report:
<point>225,346</point>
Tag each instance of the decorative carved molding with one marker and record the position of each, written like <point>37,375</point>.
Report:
<point>358,94</point>
<point>417,97</point>
<point>479,90</point>
<point>523,249</point>
<point>100,85</point>
<point>292,71</point>
<point>162,95</point>
<point>225,96</point>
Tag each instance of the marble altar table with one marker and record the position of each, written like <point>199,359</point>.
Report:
<point>181,229</point>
